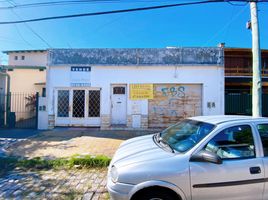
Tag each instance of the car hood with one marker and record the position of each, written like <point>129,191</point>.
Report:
<point>139,149</point>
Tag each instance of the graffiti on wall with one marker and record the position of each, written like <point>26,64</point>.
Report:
<point>174,91</point>
<point>174,102</point>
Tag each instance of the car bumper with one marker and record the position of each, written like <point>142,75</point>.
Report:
<point>119,191</point>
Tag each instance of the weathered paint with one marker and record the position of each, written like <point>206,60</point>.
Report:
<point>174,102</point>
<point>145,56</point>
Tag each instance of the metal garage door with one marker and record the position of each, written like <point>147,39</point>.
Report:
<point>174,102</point>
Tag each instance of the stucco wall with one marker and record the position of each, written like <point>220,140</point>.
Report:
<point>30,59</point>
<point>211,78</point>
<point>23,80</point>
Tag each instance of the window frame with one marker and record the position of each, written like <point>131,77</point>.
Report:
<point>259,138</point>
<point>220,128</point>
<point>115,91</point>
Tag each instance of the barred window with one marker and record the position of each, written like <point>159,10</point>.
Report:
<point>94,103</point>
<point>63,103</point>
<point>79,103</point>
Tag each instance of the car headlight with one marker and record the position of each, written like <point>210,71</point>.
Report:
<point>114,174</point>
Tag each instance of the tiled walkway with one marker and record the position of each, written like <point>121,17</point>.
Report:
<point>62,184</point>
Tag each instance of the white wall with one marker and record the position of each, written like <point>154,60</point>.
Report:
<point>211,77</point>
<point>23,80</point>
<point>31,59</point>
<point>42,114</point>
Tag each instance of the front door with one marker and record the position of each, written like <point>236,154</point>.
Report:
<point>77,107</point>
<point>239,177</point>
<point>119,105</point>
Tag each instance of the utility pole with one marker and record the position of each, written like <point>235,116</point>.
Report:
<point>256,54</point>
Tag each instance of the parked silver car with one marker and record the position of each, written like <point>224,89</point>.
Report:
<point>200,158</point>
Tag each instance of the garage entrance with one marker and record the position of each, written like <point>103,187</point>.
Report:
<point>174,102</point>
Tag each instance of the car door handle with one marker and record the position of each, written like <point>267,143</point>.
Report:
<point>255,170</point>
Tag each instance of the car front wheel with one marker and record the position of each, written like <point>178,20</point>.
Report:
<point>156,195</point>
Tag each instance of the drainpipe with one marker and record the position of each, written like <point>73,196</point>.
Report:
<point>8,96</point>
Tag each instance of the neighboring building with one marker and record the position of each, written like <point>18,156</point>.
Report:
<point>2,82</point>
<point>238,80</point>
<point>133,88</point>
<point>3,79</point>
<point>27,71</point>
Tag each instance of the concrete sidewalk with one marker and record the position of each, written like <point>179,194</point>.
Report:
<point>9,137</point>
<point>18,133</point>
<point>66,142</point>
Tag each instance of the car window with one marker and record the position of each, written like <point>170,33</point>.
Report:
<point>186,134</point>
<point>263,130</point>
<point>232,143</point>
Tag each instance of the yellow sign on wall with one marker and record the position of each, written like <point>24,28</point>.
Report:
<point>141,91</point>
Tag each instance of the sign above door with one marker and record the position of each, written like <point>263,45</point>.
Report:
<point>80,76</point>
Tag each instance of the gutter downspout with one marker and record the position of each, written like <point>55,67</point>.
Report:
<point>8,96</point>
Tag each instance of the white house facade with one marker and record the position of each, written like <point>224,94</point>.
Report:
<point>133,88</point>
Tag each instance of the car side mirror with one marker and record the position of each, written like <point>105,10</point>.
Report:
<point>206,156</point>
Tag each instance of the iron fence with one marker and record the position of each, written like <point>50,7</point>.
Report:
<point>18,110</point>
<point>241,104</point>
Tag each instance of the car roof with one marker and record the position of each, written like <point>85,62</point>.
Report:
<point>219,119</point>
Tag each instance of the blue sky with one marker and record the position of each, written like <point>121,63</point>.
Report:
<point>197,25</point>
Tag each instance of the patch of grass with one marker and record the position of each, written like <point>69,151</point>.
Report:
<point>89,161</point>
<point>40,163</point>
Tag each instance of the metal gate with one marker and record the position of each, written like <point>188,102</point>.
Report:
<point>18,110</point>
<point>241,104</point>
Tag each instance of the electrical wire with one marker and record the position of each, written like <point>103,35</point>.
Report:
<point>31,29</point>
<point>68,2</point>
<point>120,11</point>
<point>226,26</point>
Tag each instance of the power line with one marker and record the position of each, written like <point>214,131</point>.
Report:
<point>31,29</point>
<point>18,31</point>
<point>122,11</point>
<point>52,3</point>
<point>68,2</point>
<point>225,26</point>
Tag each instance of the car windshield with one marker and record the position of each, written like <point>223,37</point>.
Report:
<point>185,134</point>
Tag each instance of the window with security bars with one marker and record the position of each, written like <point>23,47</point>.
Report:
<point>94,103</point>
<point>119,90</point>
<point>79,103</point>
<point>63,103</point>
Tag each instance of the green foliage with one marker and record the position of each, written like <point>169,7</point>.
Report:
<point>89,161</point>
<point>40,163</point>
